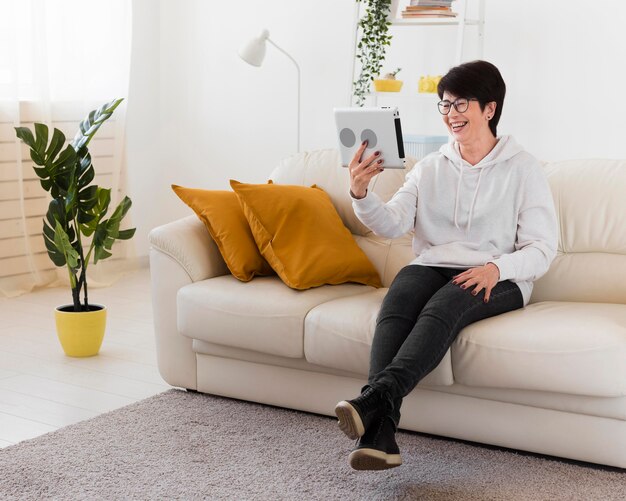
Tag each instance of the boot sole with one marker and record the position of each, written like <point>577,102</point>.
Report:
<point>349,420</point>
<point>372,459</point>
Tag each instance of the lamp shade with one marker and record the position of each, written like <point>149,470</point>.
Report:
<point>253,52</point>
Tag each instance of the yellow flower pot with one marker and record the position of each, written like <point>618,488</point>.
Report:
<point>80,333</point>
<point>387,85</point>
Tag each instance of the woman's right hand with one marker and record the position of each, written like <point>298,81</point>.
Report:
<point>362,171</point>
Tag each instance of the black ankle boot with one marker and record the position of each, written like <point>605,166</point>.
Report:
<point>377,449</point>
<point>355,416</point>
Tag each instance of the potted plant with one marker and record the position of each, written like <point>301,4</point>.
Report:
<point>77,209</point>
<point>372,45</point>
<point>388,82</point>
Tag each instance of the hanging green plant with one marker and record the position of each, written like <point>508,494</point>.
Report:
<point>372,45</point>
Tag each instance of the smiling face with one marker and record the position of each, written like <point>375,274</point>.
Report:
<point>470,126</point>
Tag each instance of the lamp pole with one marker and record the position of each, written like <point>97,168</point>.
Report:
<point>297,68</point>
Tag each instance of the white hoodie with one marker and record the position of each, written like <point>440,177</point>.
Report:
<point>498,211</point>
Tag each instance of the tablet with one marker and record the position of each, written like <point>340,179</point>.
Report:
<point>379,125</point>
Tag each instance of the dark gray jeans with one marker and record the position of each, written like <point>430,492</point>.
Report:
<point>420,318</point>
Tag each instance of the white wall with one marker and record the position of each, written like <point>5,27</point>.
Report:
<point>143,126</point>
<point>199,116</point>
<point>565,67</point>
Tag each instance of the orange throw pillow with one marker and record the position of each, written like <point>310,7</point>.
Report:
<point>297,229</point>
<point>221,213</point>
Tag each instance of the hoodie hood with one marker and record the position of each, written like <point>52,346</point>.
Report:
<point>505,148</point>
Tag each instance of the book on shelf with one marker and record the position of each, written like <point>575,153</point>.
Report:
<point>428,16</point>
<point>421,9</point>
<point>428,13</point>
<point>431,3</point>
<point>428,10</point>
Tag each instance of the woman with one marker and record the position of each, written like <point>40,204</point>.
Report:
<point>485,228</point>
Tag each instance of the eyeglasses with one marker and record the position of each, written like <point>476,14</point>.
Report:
<point>460,104</point>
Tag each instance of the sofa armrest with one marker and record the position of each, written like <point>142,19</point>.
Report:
<point>181,252</point>
<point>188,242</point>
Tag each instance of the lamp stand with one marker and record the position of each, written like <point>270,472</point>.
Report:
<point>298,68</point>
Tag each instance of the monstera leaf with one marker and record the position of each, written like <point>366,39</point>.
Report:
<point>91,218</point>
<point>56,165</point>
<point>55,216</point>
<point>64,246</point>
<point>90,125</point>
<point>108,231</point>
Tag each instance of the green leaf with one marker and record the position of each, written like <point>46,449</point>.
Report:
<point>90,125</point>
<point>88,193</point>
<point>25,135</point>
<point>37,157</point>
<point>126,234</point>
<point>47,230</point>
<point>66,158</point>
<point>97,211</point>
<point>56,212</point>
<point>63,244</point>
<point>71,199</point>
<point>84,218</point>
<point>57,142</point>
<point>108,231</point>
<point>56,256</point>
<point>100,253</point>
<point>41,172</point>
<point>86,176</point>
<point>41,138</point>
<point>46,184</point>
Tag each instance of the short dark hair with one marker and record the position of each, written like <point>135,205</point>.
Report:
<point>477,79</point>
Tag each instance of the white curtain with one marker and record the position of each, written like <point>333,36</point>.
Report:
<point>59,59</point>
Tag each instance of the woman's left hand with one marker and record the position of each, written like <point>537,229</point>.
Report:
<point>484,277</point>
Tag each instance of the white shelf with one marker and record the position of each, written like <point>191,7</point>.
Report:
<point>432,22</point>
<point>418,95</point>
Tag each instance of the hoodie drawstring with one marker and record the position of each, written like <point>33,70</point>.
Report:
<point>471,212</point>
<point>458,190</point>
<point>456,202</point>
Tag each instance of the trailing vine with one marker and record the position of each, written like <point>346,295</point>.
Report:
<point>372,45</point>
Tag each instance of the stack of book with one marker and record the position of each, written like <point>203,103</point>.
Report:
<point>420,9</point>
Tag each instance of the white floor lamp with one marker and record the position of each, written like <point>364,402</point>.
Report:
<point>253,53</point>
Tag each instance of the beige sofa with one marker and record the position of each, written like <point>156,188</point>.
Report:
<point>549,378</point>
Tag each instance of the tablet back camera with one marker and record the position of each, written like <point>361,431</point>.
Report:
<point>369,136</point>
<point>347,137</point>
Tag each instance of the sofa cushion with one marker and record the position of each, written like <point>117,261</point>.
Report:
<point>574,348</point>
<point>263,315</point>
<point>589,198</point>
<point>388,256</point>
<point>338,334</point>
<point>297,229</point>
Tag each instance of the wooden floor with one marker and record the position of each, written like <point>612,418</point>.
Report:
<point>41,389</point>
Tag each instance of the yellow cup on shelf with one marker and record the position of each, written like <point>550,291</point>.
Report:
<point>387,85</point>
<point>428,84</point>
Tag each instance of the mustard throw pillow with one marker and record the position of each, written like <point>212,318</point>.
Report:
<point>222,215</point>
<point>297,229</point>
